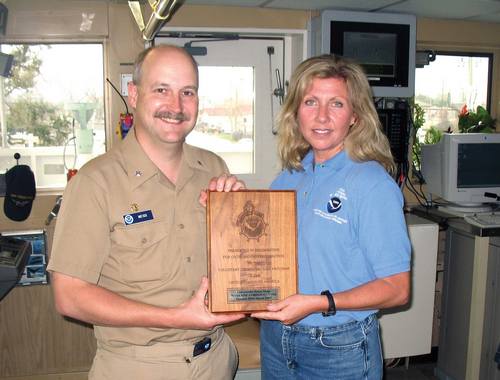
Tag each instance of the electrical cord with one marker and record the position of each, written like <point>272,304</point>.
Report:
<point>118,92</point>
<point>391,363</point>
<point>419,196</point>
<point>492,195</point>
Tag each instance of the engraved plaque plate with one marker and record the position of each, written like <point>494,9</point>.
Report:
<point>252,249</point>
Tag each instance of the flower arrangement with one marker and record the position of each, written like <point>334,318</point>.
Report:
<point>475,122</point>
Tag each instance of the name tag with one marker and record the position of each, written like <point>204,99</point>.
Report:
<point>137,217</point>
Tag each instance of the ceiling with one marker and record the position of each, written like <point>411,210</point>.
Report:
<point>473,10</point>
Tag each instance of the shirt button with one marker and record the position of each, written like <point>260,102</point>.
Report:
<point>188,259</point>
<point>181,226</point>
<point>144,240</point>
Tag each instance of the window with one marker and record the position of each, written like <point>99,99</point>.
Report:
<point>453,80</point>
<point>226,118</point>
<point>238,79</point>
<point>52,109</point>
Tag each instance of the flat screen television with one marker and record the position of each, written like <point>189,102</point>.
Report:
<point>464,170</point>
<point>383,43</point>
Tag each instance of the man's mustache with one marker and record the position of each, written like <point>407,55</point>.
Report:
<point>179,116</point>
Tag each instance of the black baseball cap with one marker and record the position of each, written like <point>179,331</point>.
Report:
<point>20,191</point>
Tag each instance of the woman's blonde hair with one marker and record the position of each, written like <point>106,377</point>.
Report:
<point>365,140</point>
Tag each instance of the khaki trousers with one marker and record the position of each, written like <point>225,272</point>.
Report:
<point>167,361</point>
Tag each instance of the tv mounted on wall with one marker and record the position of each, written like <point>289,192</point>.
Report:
<point>383,43</point>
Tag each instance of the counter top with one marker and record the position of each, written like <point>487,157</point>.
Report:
<point>444,218</point>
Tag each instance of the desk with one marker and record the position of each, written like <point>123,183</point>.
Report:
<point>470,322</point>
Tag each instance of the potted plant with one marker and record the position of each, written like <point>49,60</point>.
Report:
<point>475,122</point>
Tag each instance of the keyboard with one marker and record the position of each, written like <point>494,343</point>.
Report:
<point>486,220</point>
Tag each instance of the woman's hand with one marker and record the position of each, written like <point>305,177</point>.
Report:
<point>294,308</point>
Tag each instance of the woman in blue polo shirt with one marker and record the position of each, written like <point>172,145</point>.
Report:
<point>354,250</point>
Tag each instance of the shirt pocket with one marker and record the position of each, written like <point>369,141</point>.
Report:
<point>140,251</point>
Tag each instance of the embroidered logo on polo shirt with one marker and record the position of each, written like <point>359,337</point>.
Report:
<point>138,217</point>
<point>333,205</point>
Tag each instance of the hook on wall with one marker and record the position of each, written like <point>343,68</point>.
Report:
<point>279,91</point>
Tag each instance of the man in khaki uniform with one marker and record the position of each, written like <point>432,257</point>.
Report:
<point>129,250</point>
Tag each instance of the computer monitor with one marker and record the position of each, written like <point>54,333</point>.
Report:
<point>464,170</point>
<point>383,43</point>
<point>14,254</point>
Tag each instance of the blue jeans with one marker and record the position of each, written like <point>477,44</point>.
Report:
<point>351,351</point>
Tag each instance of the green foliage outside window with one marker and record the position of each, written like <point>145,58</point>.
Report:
<point>418,114</point>
<point>48,122</point>
<point>44,120</point>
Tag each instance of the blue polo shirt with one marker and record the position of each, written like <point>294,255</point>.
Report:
<point>351,228</point>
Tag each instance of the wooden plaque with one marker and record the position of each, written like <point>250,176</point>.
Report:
<point>252,249</point>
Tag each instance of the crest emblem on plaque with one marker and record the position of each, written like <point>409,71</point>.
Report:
<point>251,222</point>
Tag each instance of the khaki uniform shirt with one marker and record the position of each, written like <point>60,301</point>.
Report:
<point>160,257</point>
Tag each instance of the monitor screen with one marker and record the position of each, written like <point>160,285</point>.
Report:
<point>375,51</point>
<point>478,165</point>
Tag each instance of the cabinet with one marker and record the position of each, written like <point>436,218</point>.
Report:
<point>34,338</point>
<point>407,331</point>
<point>470,310</point>
<point>470,325</point>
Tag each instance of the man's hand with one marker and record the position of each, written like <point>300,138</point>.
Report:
<point>195,313</point>
<point>225,182</point>
<point>93,304</point>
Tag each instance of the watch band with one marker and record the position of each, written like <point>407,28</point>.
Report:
<point>332,310</point>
